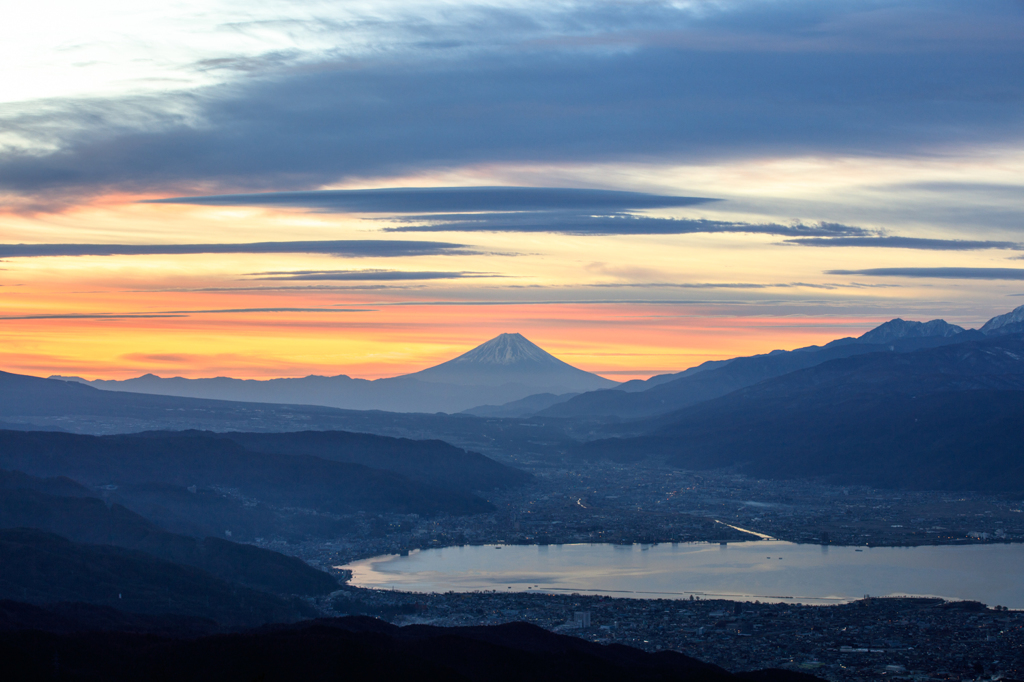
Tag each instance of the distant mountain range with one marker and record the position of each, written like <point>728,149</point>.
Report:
<point>669,392</point>
<point>506,368</point>
<point>949,417</point>
<point>509,377</point>
<point>795,407</point>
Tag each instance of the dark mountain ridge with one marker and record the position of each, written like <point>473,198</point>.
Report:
<point>54,405</point>
<point>940,418</point>
<point>195,459</point>
<point>79,617</point>
<point>40,567</point>
<point>738,373</point>
<point>520,408</point>
<point>89,520</point>
<point>37,404</point>
<point>665,393</point>
<point>429,461</point>
<point>59,486</point>
<point>353,648</point>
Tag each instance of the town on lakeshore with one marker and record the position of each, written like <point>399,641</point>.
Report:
<point>868,639</point>
<point>615,503</point>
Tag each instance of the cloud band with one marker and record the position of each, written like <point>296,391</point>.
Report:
<point>938,273</point>
<point>355,248</point>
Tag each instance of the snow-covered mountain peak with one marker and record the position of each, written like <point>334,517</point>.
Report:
<point>508,349</point>
<point>907,329</point>
<point>513,359</point>
<point>1013,317</point>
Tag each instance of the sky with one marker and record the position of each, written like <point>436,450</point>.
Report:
<point>266,188</point>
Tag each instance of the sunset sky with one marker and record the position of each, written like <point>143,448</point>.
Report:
<point>761,175</point>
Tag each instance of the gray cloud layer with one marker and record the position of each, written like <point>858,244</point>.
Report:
<point>792,77</point>
<point>940,273</point>
<point>576,223</point>
<point>735,285</point>
<point>353,248</point>
<point>457,199</point>
<point>908,243</point>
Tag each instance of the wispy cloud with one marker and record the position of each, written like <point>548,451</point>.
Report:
<point>160,357</point>
<point>445,199</point>
<point>617,224</point>
<point>271,287</point>
<point>938,273</point>
<point>734,285</point>
<point>176,313</point>
<point>907,243</point>
<point>355,248</point>
<point>365,275</point>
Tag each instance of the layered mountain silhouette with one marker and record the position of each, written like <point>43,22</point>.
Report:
<point>85,519</point>
<point>857,390</point>
<point>155,461</point>
<point>506,368</point>
<point>432,462</point>
<point>666,393</point>
<point>40,567</point>
<point>949,417</point>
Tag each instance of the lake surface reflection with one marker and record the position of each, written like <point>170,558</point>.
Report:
<point>766,570</point>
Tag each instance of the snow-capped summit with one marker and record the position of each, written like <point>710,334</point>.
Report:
<point>512,359</point>
<point>908,329</point>
<point>1001,323</point>
<point>507,349</point>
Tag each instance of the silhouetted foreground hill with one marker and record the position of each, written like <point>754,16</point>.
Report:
<point>68,617</point>
<point>90,520</point>
<point>942,418</point>
<point>61,486</point>
<point>433,461</point>
<point>197,459</point>
<point>40,567</point>
<point>354,649</point>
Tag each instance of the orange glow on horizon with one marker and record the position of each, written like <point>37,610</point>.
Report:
<point>619,341</point>
<point>622,306</point>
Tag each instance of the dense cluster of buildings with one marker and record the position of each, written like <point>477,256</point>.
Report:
<point>870,639</point>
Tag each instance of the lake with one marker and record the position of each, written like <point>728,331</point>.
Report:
<point>768,570</point>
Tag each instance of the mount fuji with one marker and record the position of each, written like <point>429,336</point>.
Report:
<point>506,368</point>
<point>511,359</point>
